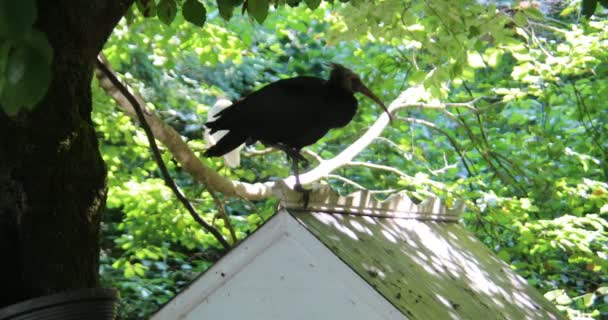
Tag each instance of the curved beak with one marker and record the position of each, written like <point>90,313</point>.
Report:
<point>363,89</point>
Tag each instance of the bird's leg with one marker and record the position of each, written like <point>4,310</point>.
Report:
<point>301,158</point>
<point>296,157</point>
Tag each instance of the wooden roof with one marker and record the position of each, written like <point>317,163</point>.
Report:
<point>362,258</point>
<point>419,257</point>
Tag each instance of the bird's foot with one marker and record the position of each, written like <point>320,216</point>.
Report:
<point>305,194</point>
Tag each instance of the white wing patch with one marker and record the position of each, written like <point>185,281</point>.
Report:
<point>232,158</point>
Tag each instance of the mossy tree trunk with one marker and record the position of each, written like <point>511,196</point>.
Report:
<point>52,176</point>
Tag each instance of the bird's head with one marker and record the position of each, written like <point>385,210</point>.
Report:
<point>350,81</point>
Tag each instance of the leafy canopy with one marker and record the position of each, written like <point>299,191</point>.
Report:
<point>525,147</point>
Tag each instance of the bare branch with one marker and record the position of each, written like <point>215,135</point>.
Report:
<point>257,191</point>
<point>113,80</point>
<point>184,155</point>
<point>356,185</point>
<point>314,155</point>
<point>392,144</point>
<point>221,209</point>
<point>346,180</point>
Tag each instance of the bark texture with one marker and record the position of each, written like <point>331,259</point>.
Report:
<point>52,176</point>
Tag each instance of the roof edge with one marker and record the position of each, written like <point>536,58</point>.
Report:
<point>399,205</point>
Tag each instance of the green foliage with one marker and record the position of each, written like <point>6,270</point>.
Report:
<point>196,13</point>
<point>25,57</point>
<point>528,154</point>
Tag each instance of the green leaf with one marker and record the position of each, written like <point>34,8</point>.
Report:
<point>167,9</point>
<point>194,12</point>
<point>504,255</point>
<point>588,299</point>
<point>588,7</point>
<point>5,48</point>
<point>226,8</point>
<point>28,74</point>
<point>520,18</point>
<point>258,9</point>
<point>16,17</point>
<point>563,300</point>
<point>130,16</point>
<point>38,42</point>
<point>313,4</point>
<point>147,7</point>
<point>554,294</point>
<point>604,3</point>
<point>293,3</point>
<point>602,291</point>
<point>129,271</point>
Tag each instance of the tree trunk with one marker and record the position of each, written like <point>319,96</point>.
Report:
<point>52,176</point>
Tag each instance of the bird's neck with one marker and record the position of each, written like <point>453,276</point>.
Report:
<point>334,85</point>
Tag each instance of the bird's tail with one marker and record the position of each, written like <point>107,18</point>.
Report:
<point>227,143</point>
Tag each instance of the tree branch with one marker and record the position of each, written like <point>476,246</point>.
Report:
<point>356,185</point>
<point>258,191</point>
<point>182,152</point>
<point>159,161</point>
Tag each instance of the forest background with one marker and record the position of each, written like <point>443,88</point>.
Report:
<point>510,116</point>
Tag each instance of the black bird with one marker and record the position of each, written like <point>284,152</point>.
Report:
<point>290,114</point>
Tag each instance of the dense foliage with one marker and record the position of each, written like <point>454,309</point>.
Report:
<point>25,57</point>
<point>526,148</point>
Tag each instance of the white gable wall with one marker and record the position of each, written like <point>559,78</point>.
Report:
<point>280,272</point>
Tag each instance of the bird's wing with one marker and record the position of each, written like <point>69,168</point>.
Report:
<point>232,158</point>
<point>285,103</point>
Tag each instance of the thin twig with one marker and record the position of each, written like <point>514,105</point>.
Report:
<point>358,186</point>
<point>221,209</point>
<point>157,156</point>
<point>392,144</point>
<point>346,180</point>
<point>452,141</point>
<point>314,155</point>
<point>468,105</point>
<point>547,27</point>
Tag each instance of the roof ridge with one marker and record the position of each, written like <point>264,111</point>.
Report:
<point>363,202</point>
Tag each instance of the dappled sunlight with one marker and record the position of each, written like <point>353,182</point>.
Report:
<point>369,220</point>
<point>443,300</point>
<point>374,271</point>
<point>435,270</point>
<point>360,228</point>
<point>388,235</point>
<point>333,221</point>
<point>324,218</point>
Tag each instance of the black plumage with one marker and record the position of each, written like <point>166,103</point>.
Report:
<point>290,114</point>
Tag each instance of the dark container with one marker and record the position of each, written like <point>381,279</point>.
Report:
<point>81,304</point>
